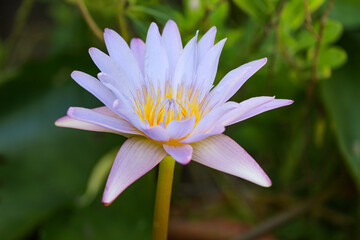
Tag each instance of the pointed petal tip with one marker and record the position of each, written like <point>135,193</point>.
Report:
<point>106,204</point>
<point>213,29</point>
<point>186,161</point>
<point>268,184</point>
<point>70,111</point>
<point>170,22</point>
<point>75,73</point>
<point>264,180</point>
<point>106,199</point>
<point>92,49</point>
<point>57,123</point>
<point>136,40</point>
<point>153,25</point>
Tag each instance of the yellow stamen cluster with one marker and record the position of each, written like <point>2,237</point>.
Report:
<point>156,107</point>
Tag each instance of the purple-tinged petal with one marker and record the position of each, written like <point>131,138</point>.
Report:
<point>116,86</point>
<point>180,129</point>
<point>95,87</point>
<point>157,133</point>
<point>242,108</point>
<point>212,118</point>
<point>156,61</point>
<point>181,153</point>
<point>136,157</point>
<point>252,107</point>
<point>119,50</point>
<point>172,43</point>
<point>107,65</point>
<point>68,122</point>
<point>106,111</point>
<point>224,154</point>
<point>124,109</point>
<point>232,81</point>
<point>207,68</point>
<point>112,123</point>
<point>185,68</point>
<point>276,103</point>
<point>138,49</point>
<point>205,43</point>
<point>217,129</point>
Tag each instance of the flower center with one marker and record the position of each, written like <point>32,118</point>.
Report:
<point>160,107</point>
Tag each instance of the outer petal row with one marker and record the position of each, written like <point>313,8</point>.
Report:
<point>100,119</point>
<point>232,81</point>
<point>136,157</point>
<point>224,154</point>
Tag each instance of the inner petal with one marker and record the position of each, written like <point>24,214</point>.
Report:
<point>161,106</point>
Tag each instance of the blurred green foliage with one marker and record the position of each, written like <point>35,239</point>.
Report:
<point>51,179</point>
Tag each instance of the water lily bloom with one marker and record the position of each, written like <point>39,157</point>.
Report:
<point>160,95</point>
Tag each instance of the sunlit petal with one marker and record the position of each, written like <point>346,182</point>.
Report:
<point>224,154</point>
<point>181,153</point>
<point>136,157</point>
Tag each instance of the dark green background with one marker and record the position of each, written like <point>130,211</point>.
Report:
<point>51,179</point>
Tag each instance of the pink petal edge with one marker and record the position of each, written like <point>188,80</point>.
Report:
<point>136,157</point>
<point>224,154</point>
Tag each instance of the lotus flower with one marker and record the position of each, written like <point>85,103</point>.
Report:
<point>161,97</point>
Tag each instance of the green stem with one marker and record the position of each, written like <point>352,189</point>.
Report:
<point>162,200</point>
<point>89,20</point>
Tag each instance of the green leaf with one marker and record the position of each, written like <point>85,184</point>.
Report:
<point>257,9</point>
<point>314,4</point>
<point>332,31</point>
<point>97,178</point>
<point>341,97</point>
<point>332,57</point>
<point>347,13</point>
<point>160,13</point>
<point>219,14</point>
<point>293,14</point>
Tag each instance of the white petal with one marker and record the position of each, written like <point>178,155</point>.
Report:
<point>124,109</point>
<point>212,118</point>
<point>205,43</point>
<point>102,120</point>
<point>95,87</point>
<point>217,129</point>
<point>138,48</point>
<point>180,129</point>
<point>276,103</point>
<point>250,108</point>
<point>156,61</point>
<point>232,81</point>
<point>224,154</point>
<point>68,122</point>
<point>207,68</point>
<point>186,66</point>
<point>119,88</point>
<point>136,157</point>
<point>119,50</point>
<point>181,153</point>
<point>244,107</point>
<point>172,43</point>
<point>109,66</point>
<point>157,133</point>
